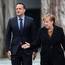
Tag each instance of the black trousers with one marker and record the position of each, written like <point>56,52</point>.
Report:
<point>21,58</point>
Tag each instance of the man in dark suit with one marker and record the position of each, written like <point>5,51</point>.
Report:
<point>19,36</point>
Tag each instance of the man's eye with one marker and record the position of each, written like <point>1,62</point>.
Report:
<point>20,8</point>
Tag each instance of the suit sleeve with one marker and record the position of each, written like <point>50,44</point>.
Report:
<point>37,41</point>
<point>63,39</point>
<point>33,31</point>
<point>8,36</point>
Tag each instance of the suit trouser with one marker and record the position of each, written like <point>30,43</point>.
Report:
<point>21,58</point>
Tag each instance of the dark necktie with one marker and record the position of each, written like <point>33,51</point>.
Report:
<point>21,24</point>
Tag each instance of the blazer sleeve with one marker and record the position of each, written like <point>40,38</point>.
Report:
<point>37,42</point>
<point>63,39</point>
<point>8,36</point>
<point>33,29</point>
<point>33,33</point>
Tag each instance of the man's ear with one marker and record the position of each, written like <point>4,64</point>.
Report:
<point>24,10</point>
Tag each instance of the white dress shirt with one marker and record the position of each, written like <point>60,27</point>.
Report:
<point>22,17</point>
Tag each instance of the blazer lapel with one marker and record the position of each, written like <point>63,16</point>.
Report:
<point>25,22</point>
<point>16,24</point>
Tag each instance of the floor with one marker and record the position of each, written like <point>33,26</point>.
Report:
<point>6,61</point>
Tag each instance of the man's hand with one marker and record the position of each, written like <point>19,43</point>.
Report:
<point>26,45</point>
<point>34,55</point>
<point>9,54</point>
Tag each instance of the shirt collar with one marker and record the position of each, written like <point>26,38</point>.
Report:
<point>22,17</point>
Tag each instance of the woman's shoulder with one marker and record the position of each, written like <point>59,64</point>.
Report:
<point>58,28</point>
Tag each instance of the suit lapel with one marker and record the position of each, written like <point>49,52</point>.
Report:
<point>16,24</point>
<point>25,22</point>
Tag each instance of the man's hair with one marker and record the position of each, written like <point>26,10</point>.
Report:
<point>21,4</point>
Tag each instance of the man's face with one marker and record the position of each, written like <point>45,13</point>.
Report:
<point>20,10</point>
<point>48,23</point>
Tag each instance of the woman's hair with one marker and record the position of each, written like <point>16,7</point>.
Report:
<point>51,17</point>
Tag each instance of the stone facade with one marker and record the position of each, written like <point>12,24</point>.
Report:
<point>7,9</point>
<point>55,7</point>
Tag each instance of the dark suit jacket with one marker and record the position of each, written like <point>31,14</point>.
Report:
<point>50,46</point>
<point>14,36</point>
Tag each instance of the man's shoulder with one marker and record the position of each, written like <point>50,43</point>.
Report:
<point>28,17</point>
<point>11,18</point>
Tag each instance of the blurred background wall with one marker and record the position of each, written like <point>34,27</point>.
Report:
<point>36,9</point>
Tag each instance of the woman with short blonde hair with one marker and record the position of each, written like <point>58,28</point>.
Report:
<point>50,38</point>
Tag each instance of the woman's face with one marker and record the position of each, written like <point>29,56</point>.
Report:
<point>48,23</point>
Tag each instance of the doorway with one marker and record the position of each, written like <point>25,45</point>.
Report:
<point>36,14</point>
